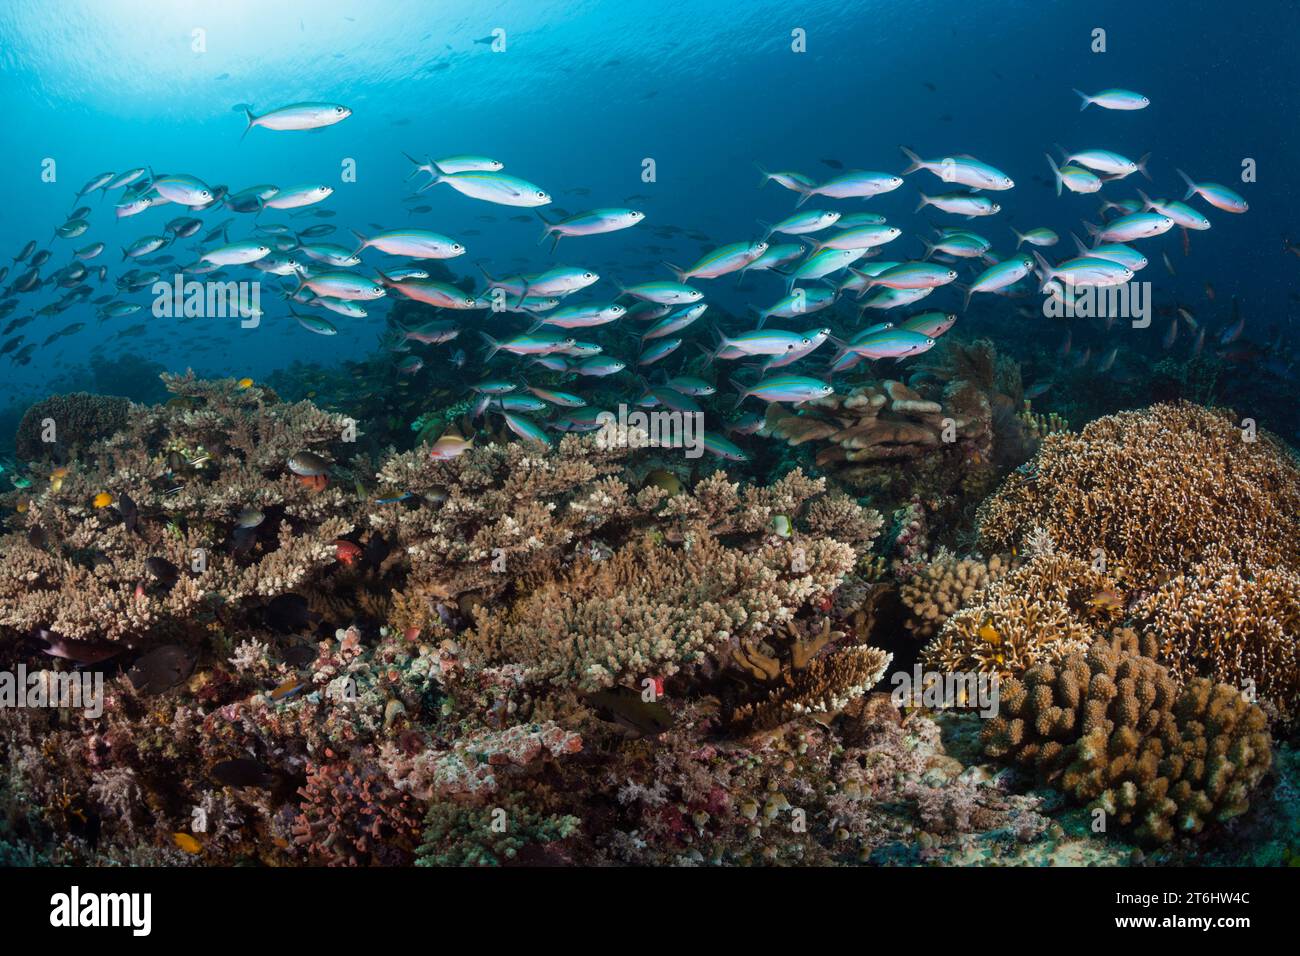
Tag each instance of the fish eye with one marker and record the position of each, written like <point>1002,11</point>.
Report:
<point>540,194</point>
<point>338,109</point>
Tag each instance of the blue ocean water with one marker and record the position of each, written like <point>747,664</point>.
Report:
<point>585,92</point>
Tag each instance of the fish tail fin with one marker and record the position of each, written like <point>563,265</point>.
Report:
<point>415,164</point>
<point>930,247</point>
<point>1078,243</point>
<point>1056,172</point>
<point>742,393</point>
<point>248,115</point>
<point>360,239</point>
<point>917,162</point>
<point>493,347</point>
<point>1020,238</point>
<point>1191,186</point>
<point>767,230</point>
<point>764,176</point>
<point>969,290</point>
<point>124,255</point>
<point>925,201</point>
<point>548,231</point>
<point>679,272</point>
<point>1044,270</point>
<point>804,196</point>
<point>1087,100</point>
<point>1142,166</point>
<point>1147,204</point>
<point>1093,231</point>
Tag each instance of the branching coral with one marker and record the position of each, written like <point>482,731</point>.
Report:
<point>1155,489</point>
<point>944,586</point>
<point>168,554</point>
<point>1198,522</point>
<point>68,424</point>
<point>654,609</point>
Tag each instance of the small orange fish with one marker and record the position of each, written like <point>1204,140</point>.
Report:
<point>314,483</point>
<point>290,687</point>
<point>347,552</point>
<point>187,843</point>
<point>989,634</point>
<point>102,500</point>
<point>245,383</point>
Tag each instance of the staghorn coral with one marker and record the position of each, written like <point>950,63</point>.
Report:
<point>1114,731</point>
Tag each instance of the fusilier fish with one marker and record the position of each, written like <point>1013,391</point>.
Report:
<point>1218,196</point>
<point>963,170</point>
<point>1114,99</point>
<point>297,116</point>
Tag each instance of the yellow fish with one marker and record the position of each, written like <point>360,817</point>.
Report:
<point>1110,599</point>
<point>989,634</point>
<point>245,383</point>
<point>187,843</point>
<point>22,506</point>
<point>102,500</point>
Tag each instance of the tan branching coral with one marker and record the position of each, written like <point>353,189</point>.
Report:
<point>1241,627</point>
<point>68,424</point>
<point>653,609</point>
<point>821,686</point>
<point>1155,489</point>
<point>163,555</point>
<point>1198,521</point>
<point>944,586</point>
<point>1114,731</point>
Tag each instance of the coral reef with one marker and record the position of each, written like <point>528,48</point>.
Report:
<point>569,654</point>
